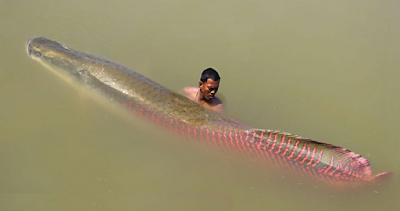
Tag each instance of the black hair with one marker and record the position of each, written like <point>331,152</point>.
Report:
<point>209,73</point>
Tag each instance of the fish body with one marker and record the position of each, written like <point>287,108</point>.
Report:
<point>332,165</point>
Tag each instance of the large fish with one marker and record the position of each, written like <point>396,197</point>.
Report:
<point>324,162</point>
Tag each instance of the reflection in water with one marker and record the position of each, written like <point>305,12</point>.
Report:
<point>324,70</point>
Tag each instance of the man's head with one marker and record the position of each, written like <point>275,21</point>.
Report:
<point>209,83</point>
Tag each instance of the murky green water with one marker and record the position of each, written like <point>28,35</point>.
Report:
<point>324,70</point>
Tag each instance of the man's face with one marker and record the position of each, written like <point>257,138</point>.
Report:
<point>209,88</point>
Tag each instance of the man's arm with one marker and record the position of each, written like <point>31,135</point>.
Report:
<point>218,106</point>
<point>219,109</point>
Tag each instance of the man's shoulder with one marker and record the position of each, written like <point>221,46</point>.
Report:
<point>190,91</point>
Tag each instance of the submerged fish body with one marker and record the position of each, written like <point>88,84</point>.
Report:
<point>333,165</point>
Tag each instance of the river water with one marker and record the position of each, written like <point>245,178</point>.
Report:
<point>320,69</point>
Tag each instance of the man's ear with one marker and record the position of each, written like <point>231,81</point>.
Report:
<point>200,83</point>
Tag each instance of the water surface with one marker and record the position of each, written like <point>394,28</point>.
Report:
<point>324,70</point>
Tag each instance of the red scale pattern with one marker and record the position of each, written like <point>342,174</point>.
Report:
<point>303,156</point>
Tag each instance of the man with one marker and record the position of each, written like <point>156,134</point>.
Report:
<point>205,94</point>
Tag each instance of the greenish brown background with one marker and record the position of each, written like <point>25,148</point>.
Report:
<point>327,70</point>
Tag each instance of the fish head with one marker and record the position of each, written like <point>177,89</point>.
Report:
<point>57,57</point>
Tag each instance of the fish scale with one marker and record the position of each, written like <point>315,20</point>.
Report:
<point>333,165</point>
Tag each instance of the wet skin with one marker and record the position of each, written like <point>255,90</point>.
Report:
<point>205,95</point>
<point>208,90</point>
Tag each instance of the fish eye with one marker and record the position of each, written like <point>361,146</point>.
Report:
<point>38,54</point>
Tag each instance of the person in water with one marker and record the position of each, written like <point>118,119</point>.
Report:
<point>205,93</point>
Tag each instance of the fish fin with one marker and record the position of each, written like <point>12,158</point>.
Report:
<point>382,176</point>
